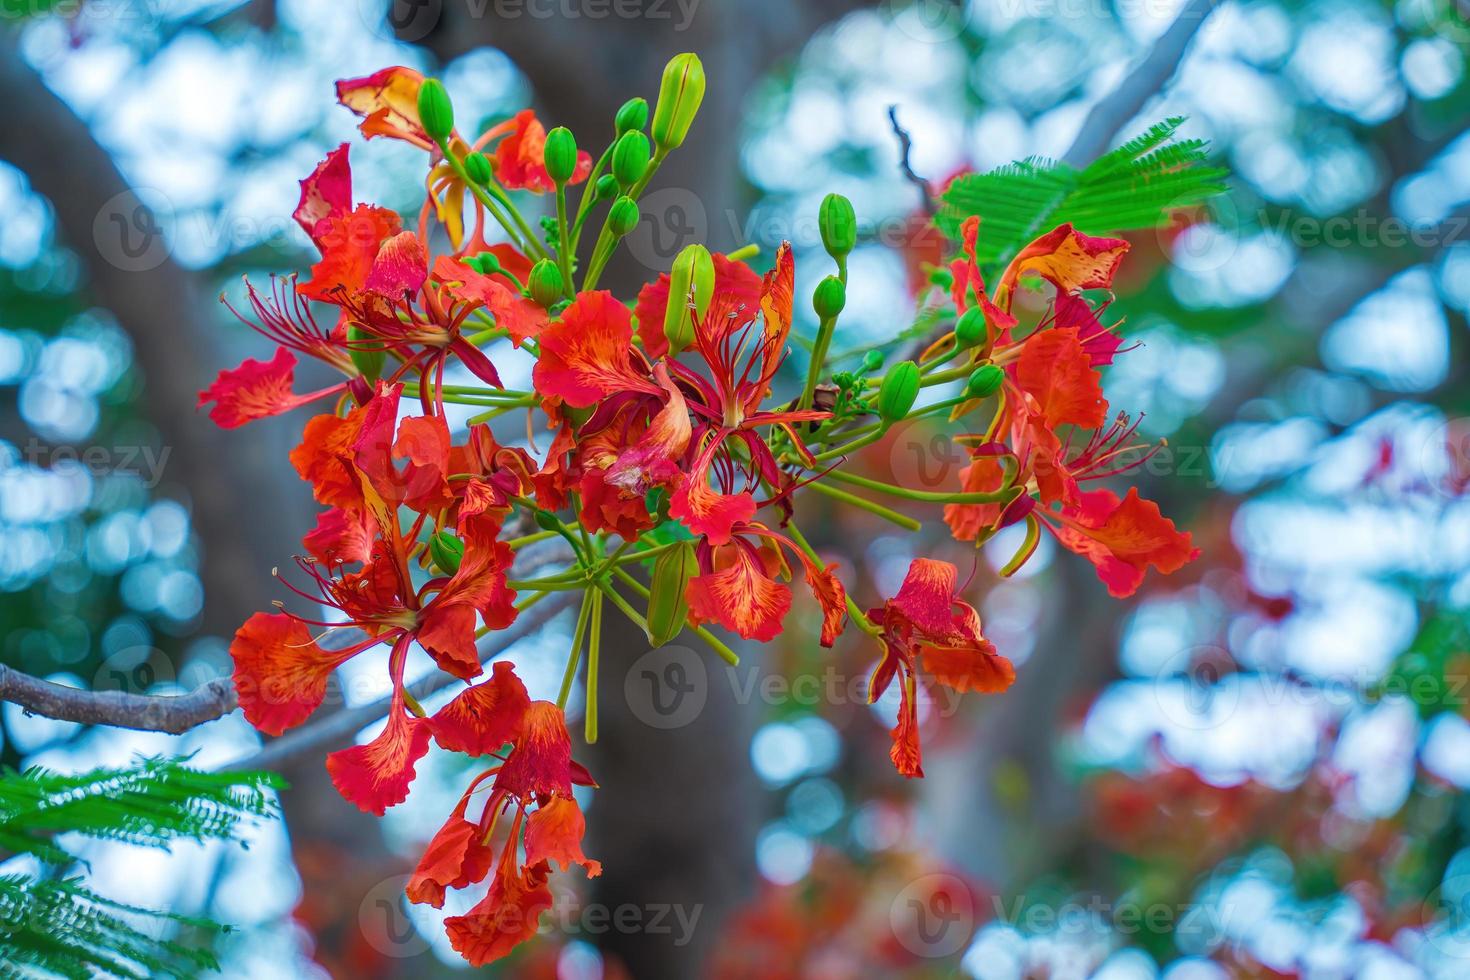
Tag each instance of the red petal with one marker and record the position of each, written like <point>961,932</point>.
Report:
<point>541,762</point>
<point>341,537</point>
<point>327,192</point>
<point>585,355</point>
<point>401,266</point>
<point>506,917</point>
<point>455,858</point>
<point>554,833</point>
<point>741,597</point>
<point>254,390</point>
<point>484,717</point>
<point>376,776</point>
<point>280,672</point>
<point>736,286</point>
<point>349,245</point>
<point>1055,369</point>
<point>1123,538</point>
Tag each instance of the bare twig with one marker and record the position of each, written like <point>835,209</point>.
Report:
<point>120,709</point>
<point>343,723</point>
<point>905,145</point>
<point>1143,83</point>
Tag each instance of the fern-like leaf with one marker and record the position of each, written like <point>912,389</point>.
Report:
<point>1134,186</point>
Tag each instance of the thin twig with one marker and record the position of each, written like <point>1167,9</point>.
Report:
<point>343,723</point>
<point>121,709</point>
<point>1146,80</point>
<point>905,145</point>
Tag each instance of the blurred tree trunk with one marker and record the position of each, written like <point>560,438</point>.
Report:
<point>248,509</point>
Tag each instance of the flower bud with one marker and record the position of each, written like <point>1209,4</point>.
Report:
<point>970,329</point>
<point>486,263</point>
<point>630,158</point>
<point>366,357</point>
<point>632,116</point>
<point>691,287</point>
<point>436,112</point>
<point>899,391</point>
<point>838,225</point>
<point>872,361</point>
<point>447,551</point>
<point>679,95</point>
<point>606,187</point>
<point>560,154</point>
<point>941,277</point>
<point>668,609</point>
<point>478,167</point>
<point>622,217</point>
<point>829,298</point>
<point>546,284</point>
<point>985,381</point>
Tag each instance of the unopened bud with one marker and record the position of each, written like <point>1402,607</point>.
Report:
<point>630,158</point>
<point>632,116</point>
<point>622,217</point>
<point>899,391</point>
<point>478,167</point>
<point>367,356</point>
<point>985,381</point>
<point>447,551</point>
<point>838,225</point>
<point>560,154</point>
<point>872,361</point>
<point>436,112</point>
<point>691,287</point>
<point>546,283</point>
<point>970,329</point>
<point>668,609</point>
<point>829,298</point>
<point>606,187</point>
<point>679,95</point>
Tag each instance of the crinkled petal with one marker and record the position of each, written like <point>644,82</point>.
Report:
<point>280,672</point>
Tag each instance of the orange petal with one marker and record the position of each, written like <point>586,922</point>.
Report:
<point>1123,538</point>
<point>506,917</point>
<point>280,671</point>
<point>484,717</point>
<point>554,833</point>
<point>1068,260</point>
<point>376,776</point>
<point>455,858</point>
<point>740,597</point>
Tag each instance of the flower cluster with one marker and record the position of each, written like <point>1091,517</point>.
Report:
<point>671,468</point>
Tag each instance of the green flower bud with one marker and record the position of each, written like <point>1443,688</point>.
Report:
<point>838,224</point>
<point>478,167</point>
<point>691,284</point>
<point>485,263</point>
<point>899,391</point>
<point>872,361</point>
<point>367,358</point>
<point>985,381</point>
<point>560,154</point>
<point>970,329</point>
<point>829,298</point>
<point>668,609</point>
<point>447,551</point>
<point>547,521</point>
<point>546,284</point>
<point>942,277</point>
<point>607,186</point>
<point>632,116</point>
<point>436,112</point>
<point>622,217</point>
<point>630,158</point>
<point>679,95</point>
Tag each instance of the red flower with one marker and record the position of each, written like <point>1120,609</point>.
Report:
<point>927,621</point>
<point>388,101</point>
<point>738,586</point>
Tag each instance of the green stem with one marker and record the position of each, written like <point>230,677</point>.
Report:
<point>574,657</point>
<point>818,359</point>
<point>594,649</point>
<point>564,248</point>
<point>878,510</point>
<point>927,496</point>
